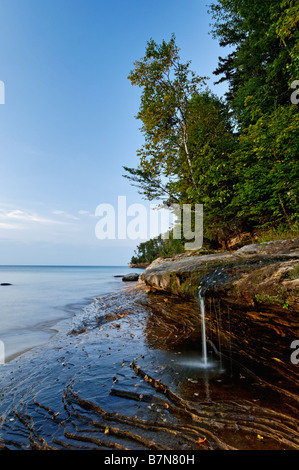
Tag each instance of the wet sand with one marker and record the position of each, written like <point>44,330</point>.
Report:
<point>127,377</point>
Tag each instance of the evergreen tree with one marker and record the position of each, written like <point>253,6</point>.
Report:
<point>264,61</point>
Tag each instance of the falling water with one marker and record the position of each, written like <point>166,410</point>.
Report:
<point>230,343</point>
<point>219,334</point>
<point>218,318</point>
<point>203,328</point>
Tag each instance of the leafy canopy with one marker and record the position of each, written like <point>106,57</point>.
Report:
<point>239,156</point>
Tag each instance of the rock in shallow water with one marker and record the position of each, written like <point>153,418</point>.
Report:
<point>131,277</point>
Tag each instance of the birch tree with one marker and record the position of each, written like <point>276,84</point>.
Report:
<point>168,85</point>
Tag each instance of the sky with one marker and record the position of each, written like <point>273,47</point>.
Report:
<point>68,124</point>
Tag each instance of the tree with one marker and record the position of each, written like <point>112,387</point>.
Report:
<point>168,86</point>
<point>151,249</point>
<point>264,61</point>
<point>260,69</point>
<point>186,158</point>
<point>245,179</point>
<point>188,136</point>
<point>267,170</point>
<point>287,30</point>
<point>211,144</point>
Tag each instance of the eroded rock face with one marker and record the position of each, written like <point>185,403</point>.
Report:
<point>259,274</point>
<point>251,301</point>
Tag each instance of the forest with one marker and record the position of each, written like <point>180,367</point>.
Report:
<point>238,154</point>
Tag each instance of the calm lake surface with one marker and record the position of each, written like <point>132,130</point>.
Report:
<point>41,296</point>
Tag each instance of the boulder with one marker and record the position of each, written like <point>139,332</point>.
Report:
<point>131,277</point>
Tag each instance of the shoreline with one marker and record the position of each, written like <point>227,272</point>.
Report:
<point>21,335</point>
<point>132,372</point>
<point>52,327</point>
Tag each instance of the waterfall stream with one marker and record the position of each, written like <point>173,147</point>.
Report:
<point>203,329</point>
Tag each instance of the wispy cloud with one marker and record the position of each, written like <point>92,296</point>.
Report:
<point>5,226</point>
<point>65,214</point>
<point>85,212</point>
<point>56,226</point>
<point>11,219</point>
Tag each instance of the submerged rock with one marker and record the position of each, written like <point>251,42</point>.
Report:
<point>131,277</point>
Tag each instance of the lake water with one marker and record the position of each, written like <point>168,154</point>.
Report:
<point>41,296</point>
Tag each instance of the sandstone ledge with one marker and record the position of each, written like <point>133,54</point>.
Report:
<point>254,275</point>
<point>251,302</point>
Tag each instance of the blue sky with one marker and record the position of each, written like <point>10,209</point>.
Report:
<point>67,126</point>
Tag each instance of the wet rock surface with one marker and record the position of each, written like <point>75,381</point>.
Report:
<point>254,274</point>
<point>129,376</point>
<point>131,277</point>
<point>251,298</point>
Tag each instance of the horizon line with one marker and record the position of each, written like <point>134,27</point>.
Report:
<point>63,266</point>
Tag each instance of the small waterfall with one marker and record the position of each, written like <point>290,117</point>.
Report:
<point>203,328</point>
<point>230,343</point>
<point>218,319</point>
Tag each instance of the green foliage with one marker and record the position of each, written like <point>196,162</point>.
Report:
<point>167,88</point>
<point>211,143</point>
<point>279,299</point>
<point>147,251</point>
<point>267,169</point>
<point>294,273</point>
<point>264,37</point>
<point>188,136</point>
<point>280,232</point>
<point>238,157</point>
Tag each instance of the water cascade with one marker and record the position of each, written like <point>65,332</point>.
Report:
<point>203,329</point>
<point>218,323</point>
<point>230,343</point>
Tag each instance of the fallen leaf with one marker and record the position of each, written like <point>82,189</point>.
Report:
<point>259,436</point>
<point>276,359</point>
<point>202,441</point>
